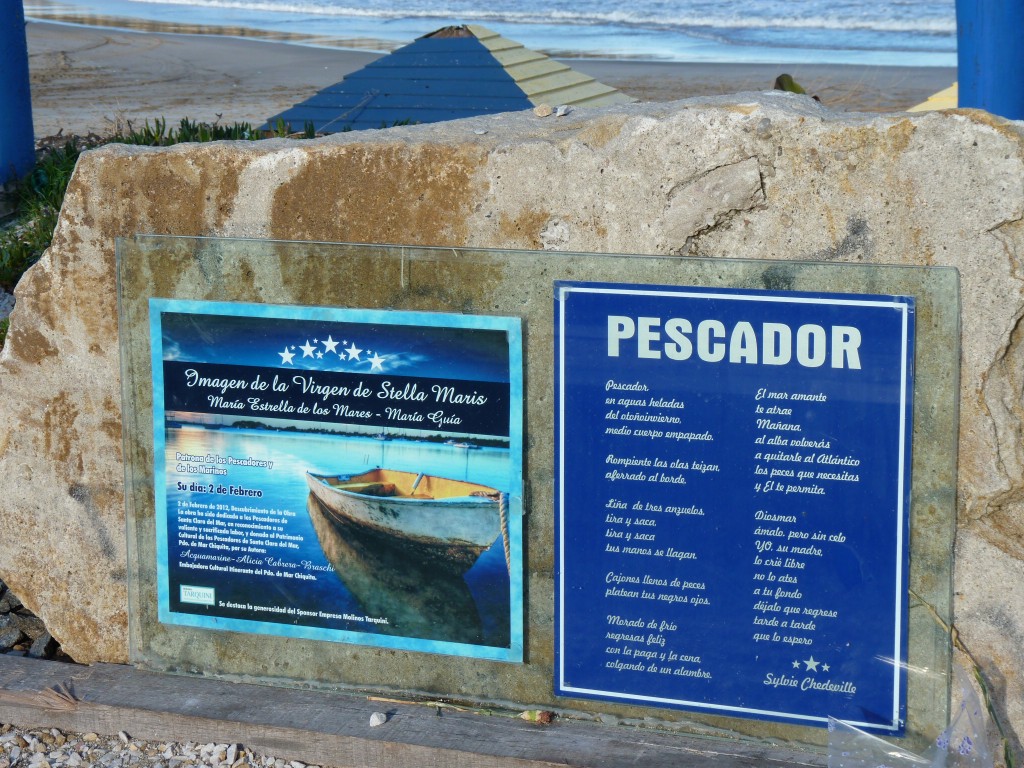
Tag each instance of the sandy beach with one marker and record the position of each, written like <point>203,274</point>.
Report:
<point>93,79</point>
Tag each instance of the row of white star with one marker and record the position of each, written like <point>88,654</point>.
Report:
<point>331,347</point>
<point>811,665</point>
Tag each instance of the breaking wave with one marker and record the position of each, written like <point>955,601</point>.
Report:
<point>926,18</point>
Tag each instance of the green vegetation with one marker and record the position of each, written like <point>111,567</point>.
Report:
<point>37,198</point>
<point>787,83</point>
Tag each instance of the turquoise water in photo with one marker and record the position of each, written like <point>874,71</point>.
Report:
<point>473,608</point>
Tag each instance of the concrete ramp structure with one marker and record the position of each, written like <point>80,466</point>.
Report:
<point>449,74</point>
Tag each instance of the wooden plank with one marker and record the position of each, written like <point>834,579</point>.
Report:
<point>544,68</point>
<point>947,98</point>
<point>511,57</point>
<point>330,728</point>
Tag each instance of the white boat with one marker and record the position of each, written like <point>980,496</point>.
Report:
<point>451,521</point>
<point>418,598</point>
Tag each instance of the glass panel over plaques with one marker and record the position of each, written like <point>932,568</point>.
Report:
<point>327,448</point>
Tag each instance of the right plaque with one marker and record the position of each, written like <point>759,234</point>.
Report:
<point>732,500</point>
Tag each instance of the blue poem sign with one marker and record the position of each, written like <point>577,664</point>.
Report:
<point>732,497</point>
<point>340,474</point>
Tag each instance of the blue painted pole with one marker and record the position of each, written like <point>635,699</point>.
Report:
<point>17,143</point>
<point>990,56</point>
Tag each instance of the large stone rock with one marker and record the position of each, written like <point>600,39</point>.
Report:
<point>766,176</point>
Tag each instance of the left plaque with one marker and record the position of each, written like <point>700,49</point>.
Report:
<point>340,474</point>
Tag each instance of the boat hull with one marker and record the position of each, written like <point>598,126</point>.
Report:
<point>417,598</point>
<point>450,521</point>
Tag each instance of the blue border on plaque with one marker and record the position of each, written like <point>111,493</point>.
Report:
<point>248,398</point>
<point>732,500</point>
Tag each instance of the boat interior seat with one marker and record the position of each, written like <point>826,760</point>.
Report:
<point>371,489</point>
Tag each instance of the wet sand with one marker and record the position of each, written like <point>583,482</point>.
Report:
<point>95,79</point>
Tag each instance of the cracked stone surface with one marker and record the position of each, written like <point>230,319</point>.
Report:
<point>748,176</point>
<point>695,207</point>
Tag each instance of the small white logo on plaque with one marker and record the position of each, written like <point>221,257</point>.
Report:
<point>200,595</point>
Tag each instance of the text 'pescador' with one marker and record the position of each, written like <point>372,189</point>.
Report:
<point>776,344</point>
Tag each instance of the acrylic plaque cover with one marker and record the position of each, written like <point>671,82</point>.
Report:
<point>340,474</point>
<point>733,485</point>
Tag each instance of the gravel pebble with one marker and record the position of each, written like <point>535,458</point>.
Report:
<point>9,601</point>
<point>9,637</point>
<point>51,748</point>
<point>32,626</point>
<point>24,634</point>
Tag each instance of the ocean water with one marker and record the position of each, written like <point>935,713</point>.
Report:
<point>343,575</point>
<point>874,32</point>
